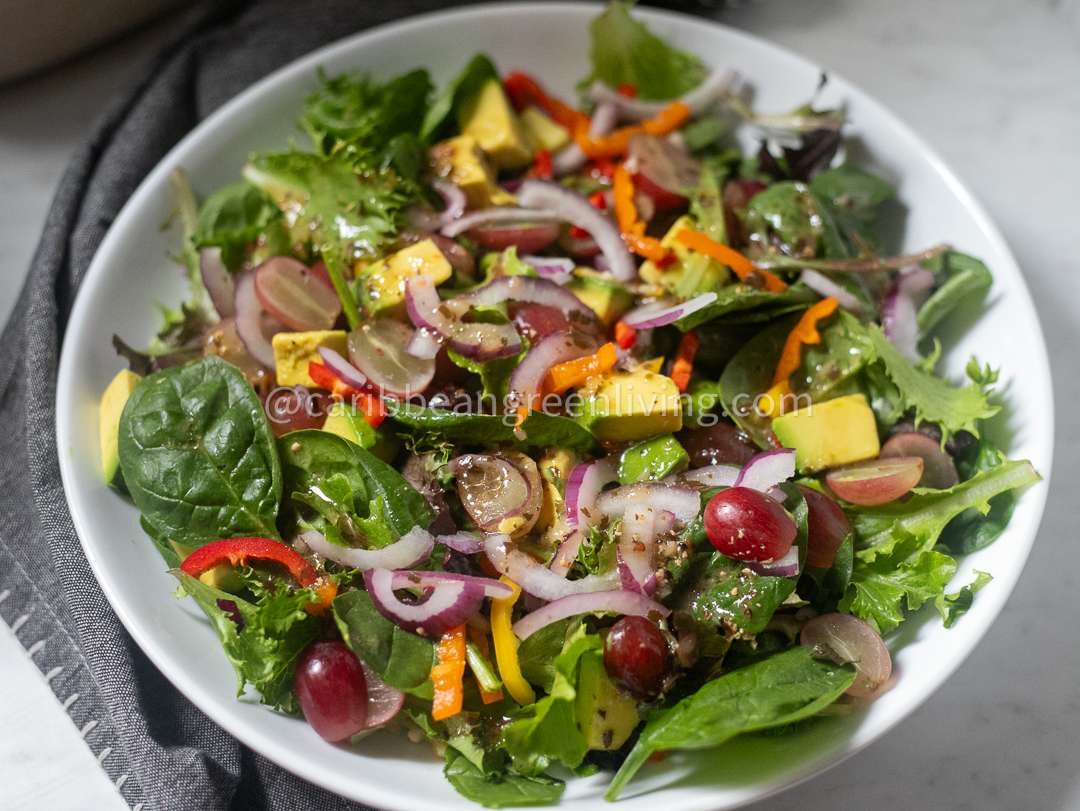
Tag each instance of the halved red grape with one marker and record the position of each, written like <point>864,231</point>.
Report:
<point>526,237</point>
<point>330,686</point>
<point>536,321</point>
<point>378,349</point>
<point>637,656</point>
<point>295,295</point>
<point>826,528</point>
<point>720,444</point>
<point>663,170</point>
<point>877,481</point>
<point>746,524</point>
<point>939,470</point>
<point>845,639</point>
<point>294,410</point>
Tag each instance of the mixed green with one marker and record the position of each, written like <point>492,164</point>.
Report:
<point>559,433</point>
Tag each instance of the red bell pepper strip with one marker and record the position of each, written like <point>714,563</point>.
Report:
<point>369,404</point>
<point>240,551</point>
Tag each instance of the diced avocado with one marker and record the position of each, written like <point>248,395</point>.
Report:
<point>601,294</point>
<point>293,351</point>
<point>543,131</point>
<point>382,283</point>
<point>829,434</point>
<point>461,161</point>
<point>345,421</point>
<point>555,466</point>
<point>222,577</point>
<point>112,406</point>
<point>693,273</point>
<point>626,406</point>
<point>651,460</point>
<point>489,118</point>
<point>605,715</point>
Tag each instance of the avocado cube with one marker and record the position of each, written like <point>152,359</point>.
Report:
<point>348,423</point>
<point>543,131</point>
<point>829,434</point>
<point>605,715</point>
<point>382,283</point>
<point>112,406</point>
<point>293,351</point>
<point>693,273</point>
<point>489,118</point>
<point>626,406</point>
<point>461,161</point>
<point>601,294</point>
<point>651,460</point>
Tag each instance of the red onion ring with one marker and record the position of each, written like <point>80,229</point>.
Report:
<point>500,214</point>
<point>567,553</point>
<point>534,578</point>
<point>570,158</point>
<point>713,475</point>
<point>715,86</point>
<point>766,470</point>
<point>217,280</point>
<point>495,589</point>
<point>556,269</point>
<point>576,209</point>
<point>467,543</point>
<point>250,321</point>
<point>476,340</point>
<point>345,371</point>
<point>454,203</point>
<point>526,379</point>
<point>899,309</point>
<point>527,290</point>
<point>649,316</point>
<point>626,603</point>
<point>787,566</point>
<point>424,343</point>
<point>636,552</point>
<point>582,490</point>
<point>411,548</point>
<point>826,287</point>
<point>683,502</point>
<point>449,603</point>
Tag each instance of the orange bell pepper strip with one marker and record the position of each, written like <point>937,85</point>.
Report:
<point>325,591</point>
<point>524,90</point>
<point>683,364</point>
<point>626,216</point>
<point>739,264</point>
<point>542,167</point>
<point>618,142</point>
<point>804,333</point>
<point>564,376</point>
<point>448,674</point>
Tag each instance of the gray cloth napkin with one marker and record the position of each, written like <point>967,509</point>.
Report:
<point>160,750</point>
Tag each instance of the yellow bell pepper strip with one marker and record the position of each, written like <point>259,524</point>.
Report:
<point>618,142</point>
<point>479,656</point>
<point>803,334</point>
<point>564,376</point>
<point>506,644</point>
<point>448,674</point>
<point>683,364</point>
<point>739,264</point>
<point>630,227</point>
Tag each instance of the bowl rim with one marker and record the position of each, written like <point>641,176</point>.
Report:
<point>376,793</point>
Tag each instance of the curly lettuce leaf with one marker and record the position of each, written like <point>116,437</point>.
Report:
<point>232,218</point>
<point>625,51</point>
<point>955,605</point>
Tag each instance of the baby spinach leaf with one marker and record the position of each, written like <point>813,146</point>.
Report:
<point>359,496</point>
<point>828,368</point>
<point>198,455</point>
<point>541,430</point>
<point>750,373</point>
<point>402,659</point>
<point>465,86</point>
<point>744,300</point>
<point>776,691</point>
<point>955,605</point>
<point>232,218</point>
<point>787,213</point>
<point>499,789</point>
<point>625,51</point>
<point>264,644</point>
<point>537,653</point>
<point>973,530</point>
<point>849,202</point>
<point>965,279</point>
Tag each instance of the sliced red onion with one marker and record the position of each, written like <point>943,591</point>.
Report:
<point>411,548</point>
<point>716,85</point>
<point>383,701</point>
<point>768,469</point>
<point>218,282</point>
<point>570,158</point>
<point>345,371</point>
<point>665,522</point>
<point>556,269</point>
<point>900,307</point>
<point>495,589</point>
<point>534,578</point>
<point>250,321</point>
<point>826,287</point>
<point>296,295</point>
<point>656,315</point>
<point>787,566</point>
<point>567,553</point>
<point>449,604</point>
<point>500,214</point>
<point>378,348</point>
<point>454,203</point>
<point>577,210</point>
<point>467,543</point>
<point>713,475</point>
<point>582,490</point>
<point>636,551</point>
<point>425,343</point>
<point>625,603</point>
<point>683,502</point>
<point>527,290</point>
<point>525,380</point>
<point>479,341</point>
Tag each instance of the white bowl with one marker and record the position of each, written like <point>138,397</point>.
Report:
<point>131,272</point>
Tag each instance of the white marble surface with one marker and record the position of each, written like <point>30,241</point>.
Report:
<point>994,85</point>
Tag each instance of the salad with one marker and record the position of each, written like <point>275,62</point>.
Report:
<point>556,432</point>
